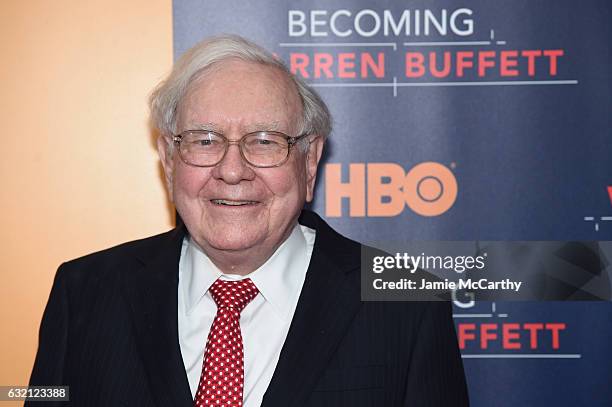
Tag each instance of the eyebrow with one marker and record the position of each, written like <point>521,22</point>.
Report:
<point>259,126</point>
<point>204,126</point>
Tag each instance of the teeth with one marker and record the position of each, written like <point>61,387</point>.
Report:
<point>231,203</point>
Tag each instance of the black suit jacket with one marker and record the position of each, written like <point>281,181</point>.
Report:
<point>109,331</point>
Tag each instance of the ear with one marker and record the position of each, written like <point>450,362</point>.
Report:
<point>165,151</point>
<point>313,156</point>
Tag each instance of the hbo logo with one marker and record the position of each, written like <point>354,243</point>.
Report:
<point>429,189</point>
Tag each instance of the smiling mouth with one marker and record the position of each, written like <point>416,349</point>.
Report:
<point>226,202</point>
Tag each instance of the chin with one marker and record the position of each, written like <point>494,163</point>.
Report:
<point>232,240</point>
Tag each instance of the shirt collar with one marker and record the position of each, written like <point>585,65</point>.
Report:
<point>274,279</point>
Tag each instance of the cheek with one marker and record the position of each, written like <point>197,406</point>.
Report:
<point>188,181</point>
<point>288,187</point>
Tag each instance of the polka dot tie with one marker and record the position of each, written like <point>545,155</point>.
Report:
<point>222,379</point>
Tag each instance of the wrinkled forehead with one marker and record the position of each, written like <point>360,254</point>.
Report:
<point>238,93</point>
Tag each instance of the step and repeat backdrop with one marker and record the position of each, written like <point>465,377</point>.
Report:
<point>466,121</point>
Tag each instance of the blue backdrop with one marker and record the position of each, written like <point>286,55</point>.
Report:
<point>509,103</point>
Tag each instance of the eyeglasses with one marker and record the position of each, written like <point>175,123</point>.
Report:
<point>263,149</point>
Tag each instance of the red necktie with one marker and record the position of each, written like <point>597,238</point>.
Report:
<point>222,379</point>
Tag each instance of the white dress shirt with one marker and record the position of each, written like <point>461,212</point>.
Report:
<point>264,322</point>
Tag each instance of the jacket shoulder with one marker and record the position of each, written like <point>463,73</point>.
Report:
<point>341,250</point>
<point>117,259</point>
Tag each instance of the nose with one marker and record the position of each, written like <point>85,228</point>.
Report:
<point>233,168</point>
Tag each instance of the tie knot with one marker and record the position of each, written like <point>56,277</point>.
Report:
<point>233,294</point>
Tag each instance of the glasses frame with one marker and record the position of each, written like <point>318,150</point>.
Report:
<point>291,141</point>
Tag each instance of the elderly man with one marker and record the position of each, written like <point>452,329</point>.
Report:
<point>250,300</point>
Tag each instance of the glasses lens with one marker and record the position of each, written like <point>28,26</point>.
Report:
<point>202,148</point>
<point>265,149</point>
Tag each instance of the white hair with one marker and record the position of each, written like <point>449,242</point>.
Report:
<point>166,97</point>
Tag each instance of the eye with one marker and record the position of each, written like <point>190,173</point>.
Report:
<point>202,140</point>
<point>264,141</point>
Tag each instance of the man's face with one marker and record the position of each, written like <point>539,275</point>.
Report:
<point>234,206</point>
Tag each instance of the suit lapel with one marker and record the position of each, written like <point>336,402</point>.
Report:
<point>328,302</point>
<point>152,294</point>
